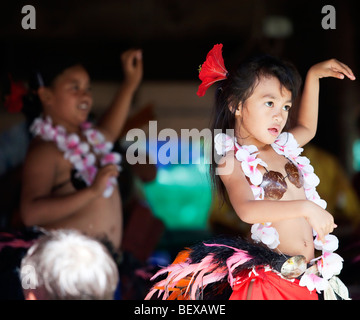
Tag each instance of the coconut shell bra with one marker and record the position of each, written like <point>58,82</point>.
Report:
<point>274,183</point>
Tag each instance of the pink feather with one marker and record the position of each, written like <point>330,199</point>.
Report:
<point>202,273</point>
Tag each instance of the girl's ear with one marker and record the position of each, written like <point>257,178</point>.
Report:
<point>238,110</point>
<point>45,95</point>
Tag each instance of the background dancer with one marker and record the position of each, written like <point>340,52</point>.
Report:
<point>68,169</point>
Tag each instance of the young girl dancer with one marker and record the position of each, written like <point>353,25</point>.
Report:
<point>269,186</point>
<point>69,175</point>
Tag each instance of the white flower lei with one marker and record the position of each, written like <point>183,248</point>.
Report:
<point>329,263</point>
<point>79,152</point>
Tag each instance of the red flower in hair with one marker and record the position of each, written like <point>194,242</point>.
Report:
<point>212,70</point>
<point>14,102</point>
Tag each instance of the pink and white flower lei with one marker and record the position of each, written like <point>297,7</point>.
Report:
<point>79,152</point>
<point>329,263</point>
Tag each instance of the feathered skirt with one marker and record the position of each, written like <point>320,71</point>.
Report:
<point>227,268</point>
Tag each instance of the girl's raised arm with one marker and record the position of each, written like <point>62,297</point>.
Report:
<point>113,120</point>
<point>307,120</point>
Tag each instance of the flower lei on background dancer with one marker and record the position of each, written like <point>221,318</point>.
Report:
<point>79,152</point>
<point>329,263</point>
<point>76,151</point>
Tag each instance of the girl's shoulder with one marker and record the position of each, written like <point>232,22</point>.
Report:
<point>38,144</point>
<point>229,168</point>
<point>43,151</point>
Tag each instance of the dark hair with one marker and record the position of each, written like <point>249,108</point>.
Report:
<point>43,73</point>
<point>238,87</point>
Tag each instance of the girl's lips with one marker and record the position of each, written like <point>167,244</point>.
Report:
<point>84,106</point>
<point>274,131</point>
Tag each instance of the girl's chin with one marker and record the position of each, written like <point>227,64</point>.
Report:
<point>83,116</point>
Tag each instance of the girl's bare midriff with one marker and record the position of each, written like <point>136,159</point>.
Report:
<point>101,218</point>
<point>295,238</point>
<point>295,235</point>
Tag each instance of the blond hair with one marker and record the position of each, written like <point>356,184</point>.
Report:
<point>69,265</point>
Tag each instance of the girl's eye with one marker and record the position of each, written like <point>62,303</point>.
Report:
<point>286,108</point>
<point>269,104</point>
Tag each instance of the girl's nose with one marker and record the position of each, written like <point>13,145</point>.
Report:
<point>277,116</point>
<point>86,96</point>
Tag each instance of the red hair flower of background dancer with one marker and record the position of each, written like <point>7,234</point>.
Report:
<point>13,102</point>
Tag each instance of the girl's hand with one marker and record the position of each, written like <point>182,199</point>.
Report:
<point>320,220</point>
<point>102,178</point>
<point>331,68</point>
<point>133,67</point>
